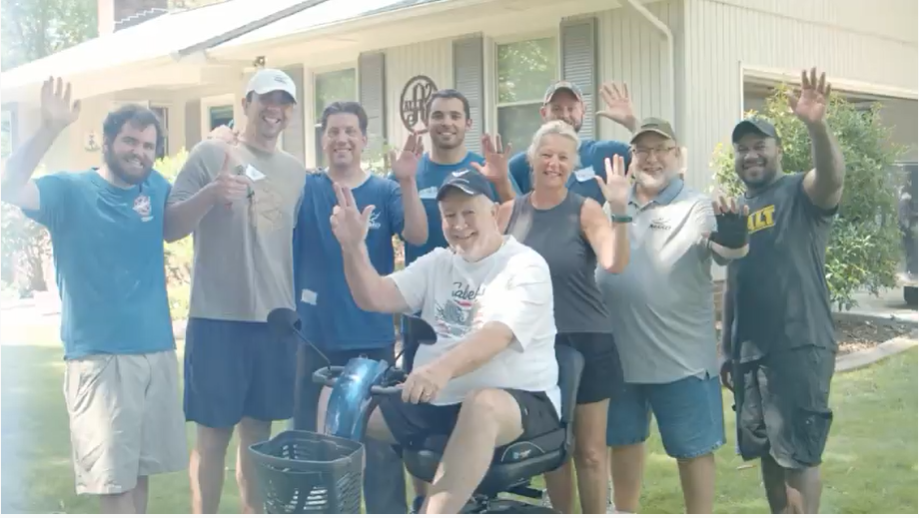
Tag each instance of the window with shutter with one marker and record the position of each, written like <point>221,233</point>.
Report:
<point>293,140</point>
<point>331,86</point>
<point>525,70</point>
<point>469,79</point>
<point>579,65</point>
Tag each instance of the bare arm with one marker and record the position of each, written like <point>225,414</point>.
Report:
<point>504,215</point>
<point>16,184</point>
<point>824,183</point>
<point>416,219</point>
<point>727,318</point>
<point>371,291</point>
<point>182,217</point>
<point>477,349</point>
<point>610,241</point>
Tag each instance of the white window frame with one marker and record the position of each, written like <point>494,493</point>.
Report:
<point>215,101</point>
<point>167,108</point>
<point>314,92</point>
<point>493,67</point>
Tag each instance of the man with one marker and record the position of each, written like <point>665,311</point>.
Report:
<point>331,319</point>
<point>241,203</point>
<point>121,383</point>
<point>778,340</point>
<point>664,319</point>
<point>448,121</point>
<point>489,298</point>
<point>564,101</point>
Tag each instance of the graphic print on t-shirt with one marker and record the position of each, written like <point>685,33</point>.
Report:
<point>456,317</point>
<point>761,219</point>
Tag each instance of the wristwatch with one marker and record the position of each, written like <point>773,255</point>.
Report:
<point>620,218</point>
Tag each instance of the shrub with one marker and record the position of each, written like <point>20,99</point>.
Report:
<point>864,246</point>
<point>25,246</point>
<point>178,254</point>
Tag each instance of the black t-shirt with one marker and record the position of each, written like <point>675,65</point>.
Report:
<point>781,299</point>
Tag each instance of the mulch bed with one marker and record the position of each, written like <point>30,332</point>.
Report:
<point>859,335</point>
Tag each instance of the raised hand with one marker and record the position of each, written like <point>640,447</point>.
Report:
<point>56,110</point>
<point>405,165</point>
<point>731,239</point>
<point>228,187</point>
<point>618,104</point>
<point>349,225</point>
<point>616,187</point>
<point>225,134</point>
<point>811,102</point>
<point>496,158</point>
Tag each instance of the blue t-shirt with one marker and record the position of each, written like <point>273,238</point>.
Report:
<point>331,318</point>
<point>593,155</point>
<point>108,255</point>
<point>430,177</point>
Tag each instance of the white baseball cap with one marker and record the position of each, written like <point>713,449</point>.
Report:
<point>271,80</point>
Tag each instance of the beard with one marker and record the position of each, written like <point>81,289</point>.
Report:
<point>653,183</point>
<point>115,165</point>
<point>759,181</point>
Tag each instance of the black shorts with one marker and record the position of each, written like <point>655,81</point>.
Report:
<point>602,376</point>
<point>412,424</point>
<point>781,402</point>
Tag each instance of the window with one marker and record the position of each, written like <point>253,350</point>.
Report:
<point>219,116</point>
<point>525,70</point>
<point>163,114</point>
<point>338,85</point>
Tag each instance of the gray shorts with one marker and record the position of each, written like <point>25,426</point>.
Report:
<point>126,419</point>
<point>782,405</point>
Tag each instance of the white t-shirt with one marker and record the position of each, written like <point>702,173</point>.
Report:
<point>457,297</point>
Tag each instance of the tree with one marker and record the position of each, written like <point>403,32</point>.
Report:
<point>33,29</point>
<point>864,246</point>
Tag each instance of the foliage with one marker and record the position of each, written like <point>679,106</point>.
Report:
<point>178,254</point>
<point>25,246</point>
<point>33,29</point>
<point>864,247</point>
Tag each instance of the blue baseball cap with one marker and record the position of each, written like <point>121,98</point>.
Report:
<point>562,85</point>
<point>469,181</point>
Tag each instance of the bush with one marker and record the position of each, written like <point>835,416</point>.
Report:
<point>178,254</point>
<point>25,246</point>
<point>864,246</point>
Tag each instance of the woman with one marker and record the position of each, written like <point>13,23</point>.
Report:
<point>573,234</point>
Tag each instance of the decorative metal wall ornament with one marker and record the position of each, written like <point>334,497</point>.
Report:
<point>413,104</point>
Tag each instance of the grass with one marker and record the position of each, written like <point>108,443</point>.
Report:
<point>870,462</point>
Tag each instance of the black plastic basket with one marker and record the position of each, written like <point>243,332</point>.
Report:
<point>303,472</point>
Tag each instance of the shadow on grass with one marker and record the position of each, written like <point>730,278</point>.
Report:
<point>869,465</point>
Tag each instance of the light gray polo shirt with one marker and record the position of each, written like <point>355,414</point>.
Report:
<point>661,306</point>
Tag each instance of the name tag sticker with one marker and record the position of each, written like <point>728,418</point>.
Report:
<point>428,193</point>
<point>254,174</point>
<point>308,297</point>
<point>584,175</point>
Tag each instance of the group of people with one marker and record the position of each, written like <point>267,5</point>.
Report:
<point>597,245</point>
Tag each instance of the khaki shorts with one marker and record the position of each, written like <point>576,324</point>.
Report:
<point>126,419</point>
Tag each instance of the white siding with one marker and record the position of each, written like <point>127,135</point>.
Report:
<point>634,51</point>
<point>433,59</point>
<point>871,42</point>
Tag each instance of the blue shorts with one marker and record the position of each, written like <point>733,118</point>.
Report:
<point>235,370</point>
<point>689,416</point>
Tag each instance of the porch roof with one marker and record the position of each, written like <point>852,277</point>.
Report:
<point>168,38</point>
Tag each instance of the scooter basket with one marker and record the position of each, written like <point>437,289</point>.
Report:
<point>303,472</point>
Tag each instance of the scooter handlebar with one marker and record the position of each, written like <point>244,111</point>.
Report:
<point>328,375</point>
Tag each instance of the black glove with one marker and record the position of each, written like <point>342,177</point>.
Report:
<point>732,230</point>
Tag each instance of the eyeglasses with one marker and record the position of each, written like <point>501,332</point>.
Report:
<point>644,153</point>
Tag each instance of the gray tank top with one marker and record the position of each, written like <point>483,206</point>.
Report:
<point>556,235</point>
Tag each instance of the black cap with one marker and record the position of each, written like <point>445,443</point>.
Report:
<point>755,125</point>
<point>469,181</point>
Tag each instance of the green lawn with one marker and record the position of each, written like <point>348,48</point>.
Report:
<point>870,463</point>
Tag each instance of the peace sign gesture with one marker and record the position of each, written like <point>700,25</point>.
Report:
<point>811,103</point>
<point>616,187</point>
<point>496,159</point>
<point>348,224</point>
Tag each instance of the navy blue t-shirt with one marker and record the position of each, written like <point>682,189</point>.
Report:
<point>429,178</point>
<point>592,153</point>
<point>331,318</point>
<point>107,246</point>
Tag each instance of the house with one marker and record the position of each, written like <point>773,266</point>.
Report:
<point>700,63</point>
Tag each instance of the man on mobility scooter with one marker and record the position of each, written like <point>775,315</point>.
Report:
<point>492,376</point>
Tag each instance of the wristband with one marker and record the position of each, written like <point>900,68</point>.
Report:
<point>620,218</point>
